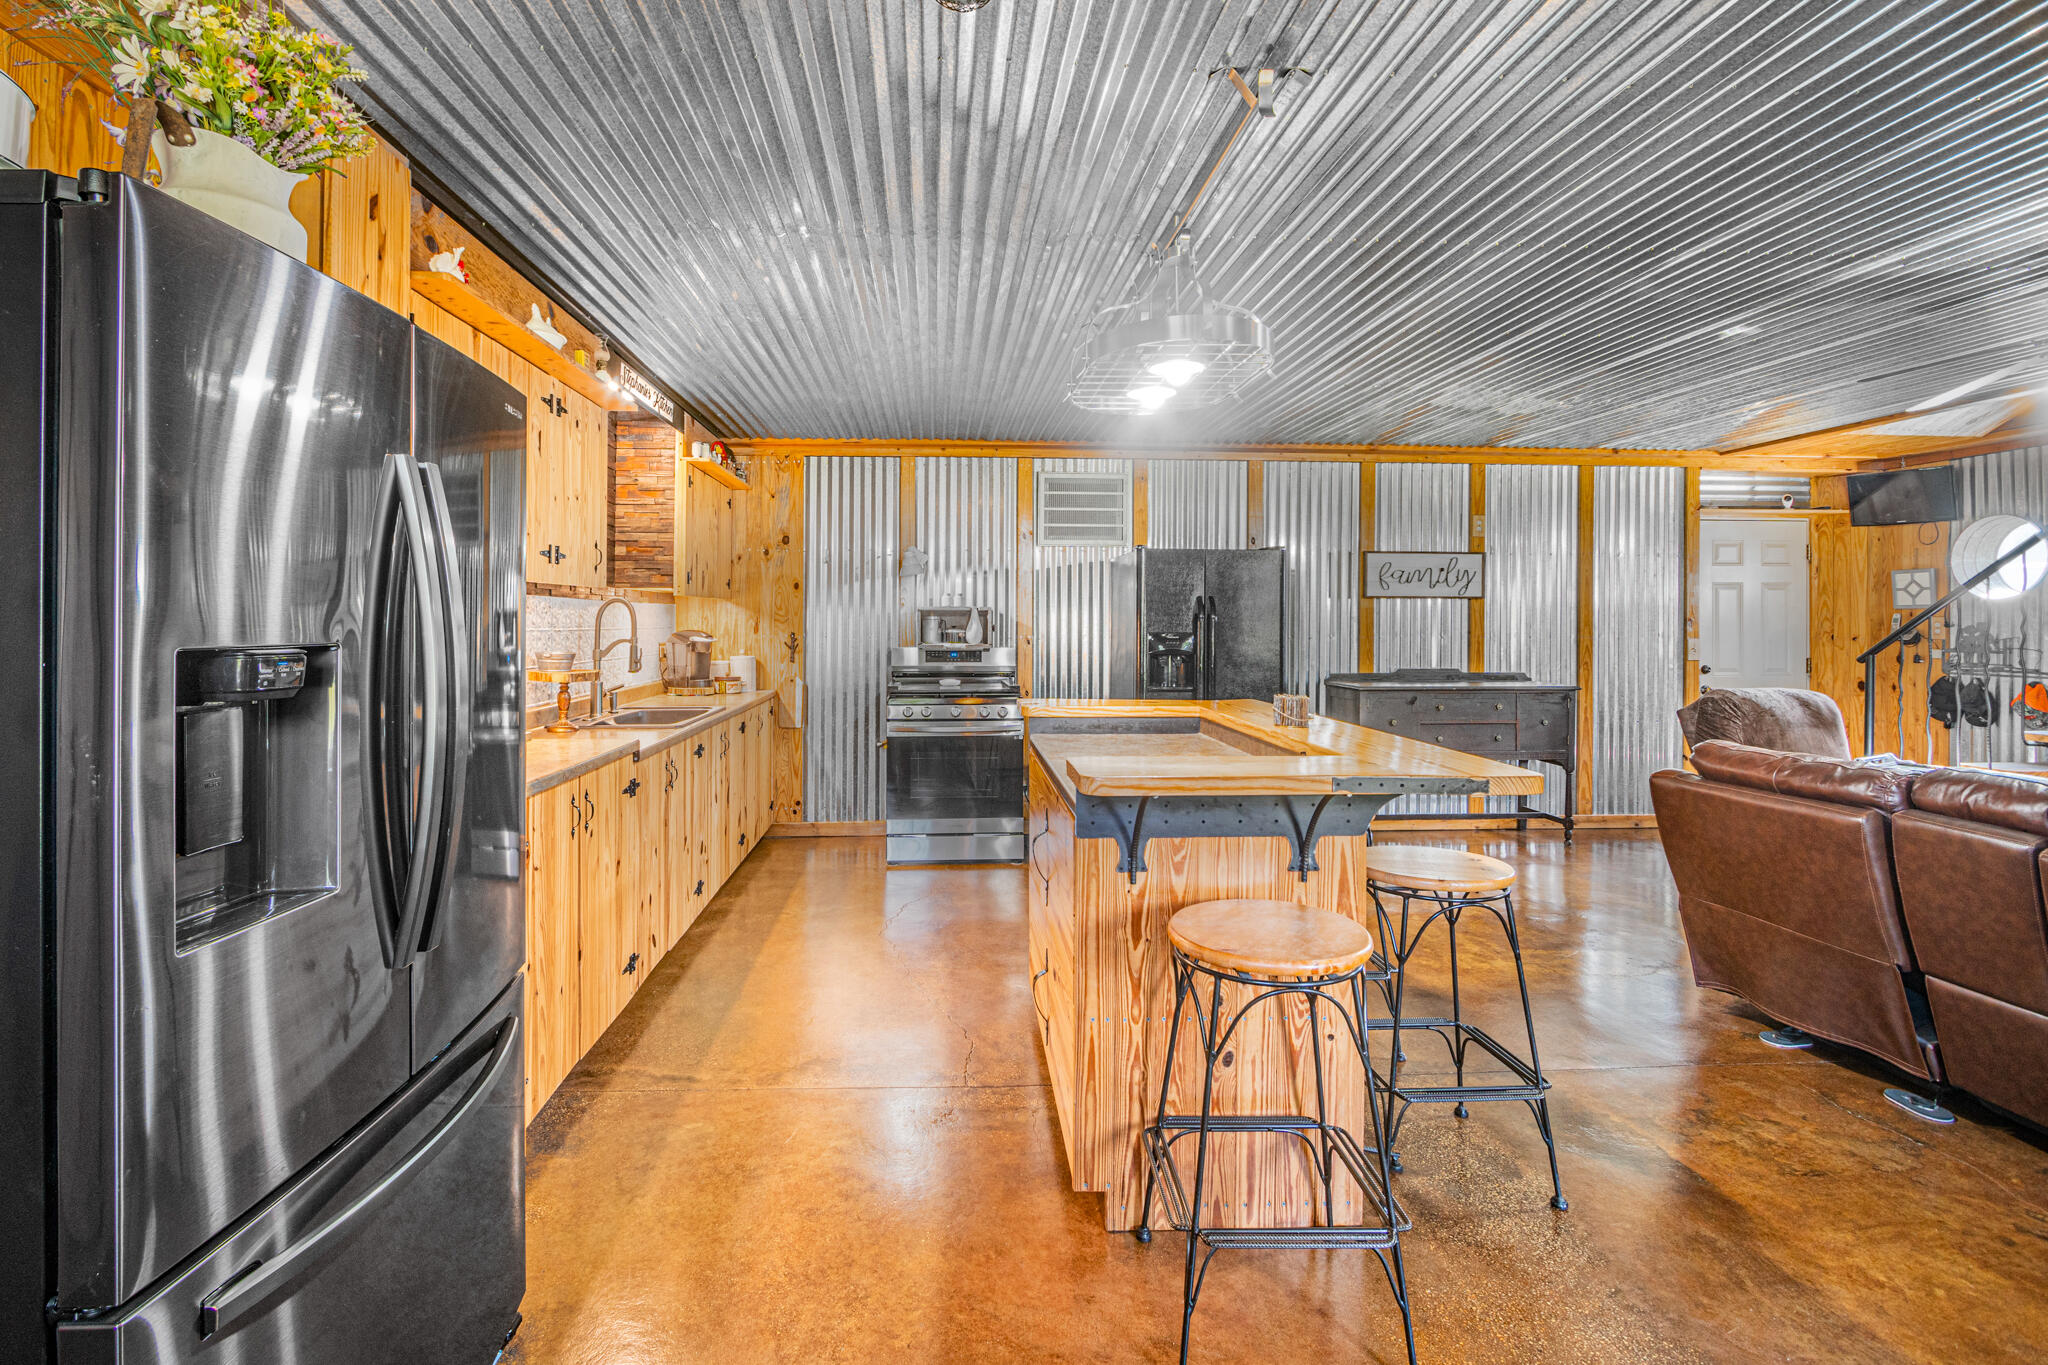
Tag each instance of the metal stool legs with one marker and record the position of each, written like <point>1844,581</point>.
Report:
<point>1529,1086</point>
<point>1331,1147</point>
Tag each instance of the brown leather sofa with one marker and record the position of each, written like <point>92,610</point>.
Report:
<point>1786,890</point>
<point>1787,719</point>
<point>1971,854</point>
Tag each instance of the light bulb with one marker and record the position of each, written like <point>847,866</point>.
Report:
<point>1177,371</point>
<point>1148,397</point>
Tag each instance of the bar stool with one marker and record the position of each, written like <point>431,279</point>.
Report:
<point>1449,882</point>
<point>1278,949</point>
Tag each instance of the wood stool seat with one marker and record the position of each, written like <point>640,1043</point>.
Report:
<point>1270,938</point>
<point>1436,869</point>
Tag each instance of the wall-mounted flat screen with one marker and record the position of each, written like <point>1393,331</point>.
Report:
<point>1900,496</point>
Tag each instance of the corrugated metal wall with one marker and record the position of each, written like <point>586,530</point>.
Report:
<point>1421,507</point>
<point>1532,585</point>
<point>2013,483</point>
<point>1070,588</point>
<point>1638,632</point>
<point>1198,504</point>
<point>967,523</point>
<point>1312,512</point>
<point>850,549</point>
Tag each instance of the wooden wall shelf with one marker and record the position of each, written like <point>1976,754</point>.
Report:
<point>660,595</point>
<point>470,306</point>
<point>714,470</point>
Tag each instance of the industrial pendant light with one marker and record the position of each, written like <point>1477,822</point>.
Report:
<point>1170,344</point>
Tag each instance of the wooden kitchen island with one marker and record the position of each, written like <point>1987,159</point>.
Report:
<point>1139,808</point>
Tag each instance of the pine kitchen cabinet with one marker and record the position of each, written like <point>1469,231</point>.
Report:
<point>620,861</point>
<point>568,484</point>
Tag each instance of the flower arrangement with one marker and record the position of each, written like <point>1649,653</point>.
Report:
<point>252,76</point>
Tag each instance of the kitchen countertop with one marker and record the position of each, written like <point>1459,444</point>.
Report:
<point>1326,756</point>
<point>554,759</point>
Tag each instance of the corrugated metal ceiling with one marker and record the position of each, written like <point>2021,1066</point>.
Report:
<point>1532,222</point>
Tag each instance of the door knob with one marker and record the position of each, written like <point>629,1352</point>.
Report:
<point>1706,668</point>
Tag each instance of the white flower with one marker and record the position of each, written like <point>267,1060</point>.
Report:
<point>130,66</point>
<point>195,93</point>
<point>149,9</point>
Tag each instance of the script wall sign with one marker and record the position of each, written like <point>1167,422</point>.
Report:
<point>1407,573</point>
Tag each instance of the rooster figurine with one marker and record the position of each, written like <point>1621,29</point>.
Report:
<point>544,329</point>
<point>450,263</point>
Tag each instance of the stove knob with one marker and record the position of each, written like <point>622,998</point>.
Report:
<point>981,711</point>
<point>957,711</point>
<point>927,710</point>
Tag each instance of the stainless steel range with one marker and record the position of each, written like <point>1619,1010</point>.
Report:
<point>956,755</point>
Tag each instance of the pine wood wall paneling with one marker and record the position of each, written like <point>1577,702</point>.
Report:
<point>1586,758</point>
<point>782,651</point>
<point>366,212</point>
<point>1255,504</point>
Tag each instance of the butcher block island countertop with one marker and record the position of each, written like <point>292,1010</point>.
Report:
<point>1245,753</point>
<point>1140,808</point>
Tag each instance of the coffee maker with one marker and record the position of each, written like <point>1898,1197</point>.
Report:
<point>686,661</point>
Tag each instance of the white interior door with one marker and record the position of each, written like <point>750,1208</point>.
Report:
<point>1753,602</point>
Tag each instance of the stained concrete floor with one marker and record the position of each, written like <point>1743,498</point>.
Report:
<point>822,1132</point>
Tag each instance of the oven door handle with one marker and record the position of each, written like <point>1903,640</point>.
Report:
<point>997,728</point>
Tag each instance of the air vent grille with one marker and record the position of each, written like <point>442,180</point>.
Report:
<point>1084,509</point>
<point>1742,488</point>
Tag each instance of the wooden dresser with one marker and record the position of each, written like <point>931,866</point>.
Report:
<point>1501,716</point>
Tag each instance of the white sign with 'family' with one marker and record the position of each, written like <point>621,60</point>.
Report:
<point>1422,574</point>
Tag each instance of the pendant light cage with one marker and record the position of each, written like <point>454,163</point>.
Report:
<point>962,6</point>
<point>1169,346</point>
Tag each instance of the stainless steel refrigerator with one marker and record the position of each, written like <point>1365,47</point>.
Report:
<point>1198,624</point>
<point>260,1058</point>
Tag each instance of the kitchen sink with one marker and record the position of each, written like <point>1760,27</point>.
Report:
<point>651,718</point>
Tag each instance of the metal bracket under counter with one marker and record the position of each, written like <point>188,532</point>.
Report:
<point>1134,821</point>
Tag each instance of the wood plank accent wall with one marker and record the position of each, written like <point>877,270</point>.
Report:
<point>643,502</point>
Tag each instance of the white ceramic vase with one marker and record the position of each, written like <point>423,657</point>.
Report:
<point>221,176</point>
<point>17,115</point>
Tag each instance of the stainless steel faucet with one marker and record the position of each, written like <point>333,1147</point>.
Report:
<point>598,649</point>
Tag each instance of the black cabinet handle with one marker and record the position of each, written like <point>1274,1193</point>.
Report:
<point>574,815</point>
<point>597,555</point>
<point>700,751</point>
<point>589,809</point>
<point>743,727</point>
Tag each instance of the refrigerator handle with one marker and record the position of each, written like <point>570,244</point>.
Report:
<point>249,1289</point>
<point>1209,649</point>
<point>461,698</point>
<point>423,868</point>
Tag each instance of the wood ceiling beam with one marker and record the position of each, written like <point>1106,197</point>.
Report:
<point>1364,454</point>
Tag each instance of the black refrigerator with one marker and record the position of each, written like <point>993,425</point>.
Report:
<point>1198,624</point>
<point>260,992</point>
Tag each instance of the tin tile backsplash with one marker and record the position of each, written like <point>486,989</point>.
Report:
<point>563,623</point>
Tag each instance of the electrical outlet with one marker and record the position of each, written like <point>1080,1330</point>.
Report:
<point>1478,527</point>
<point>1692,649</point>
<point>1897,617</point>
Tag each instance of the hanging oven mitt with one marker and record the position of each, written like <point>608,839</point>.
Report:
<point>1941,701</point>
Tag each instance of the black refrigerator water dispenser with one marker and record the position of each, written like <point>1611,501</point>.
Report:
<point>256,785</point>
